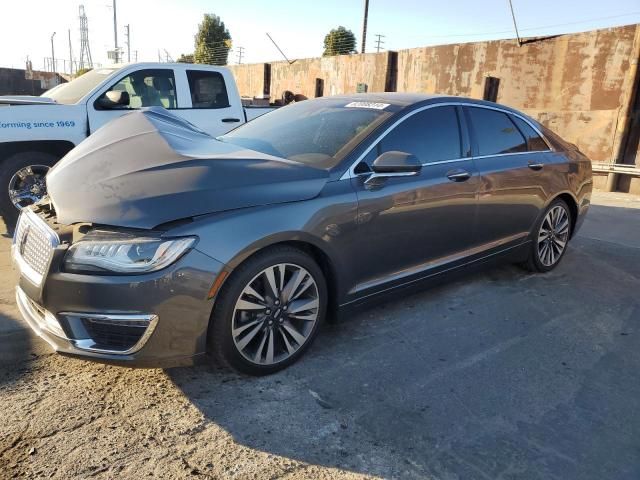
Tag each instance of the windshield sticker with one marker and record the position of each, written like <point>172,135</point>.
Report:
<point>374,105</point>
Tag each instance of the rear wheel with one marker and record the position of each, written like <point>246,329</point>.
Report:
<point>269,311</point>
<point>550,238</point>
<point>22,182</point>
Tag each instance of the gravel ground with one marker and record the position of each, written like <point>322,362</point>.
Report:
<point>498,375</point>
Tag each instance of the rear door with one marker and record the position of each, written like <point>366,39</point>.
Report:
<point>213,103</point>
<point>413,225</point>
<point>511,158</point>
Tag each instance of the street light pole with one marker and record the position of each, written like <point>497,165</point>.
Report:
<point>53,55</point>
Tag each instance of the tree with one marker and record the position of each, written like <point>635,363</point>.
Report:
<point>339,41</point>
<point>82,71</point>
<point>186,58</point>
<point>213,41</point>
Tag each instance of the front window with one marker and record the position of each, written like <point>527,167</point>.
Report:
<point>315,132</point>
<point>75,90</point>
<point>149,88</point>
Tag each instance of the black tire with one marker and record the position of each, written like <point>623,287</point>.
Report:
<point>220,337</point>
<point>8,169</point>
<point>534,263</point>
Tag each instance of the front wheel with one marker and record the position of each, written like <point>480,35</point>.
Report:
<point>22,182</point>
<point>550,238</point>
<point>268,312</point>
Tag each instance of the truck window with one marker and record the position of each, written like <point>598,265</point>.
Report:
<point>149,88</point>
<point>207,89</point>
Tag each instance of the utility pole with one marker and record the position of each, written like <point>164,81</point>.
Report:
<point>379,41</point>
<point>364,25</point>
<point>515,25</point>
<point>70,55</point>
<point>115,31</point>
<point>128,33</point>
<point>53,54</point>
<point>240,52</point>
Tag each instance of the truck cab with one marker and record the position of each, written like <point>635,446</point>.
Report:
<point>35,132</point>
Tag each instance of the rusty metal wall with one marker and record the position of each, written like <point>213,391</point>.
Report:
<point>576,84</point>
<point>580,85</point>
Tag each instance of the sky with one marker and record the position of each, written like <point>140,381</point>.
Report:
<point>299,27</point>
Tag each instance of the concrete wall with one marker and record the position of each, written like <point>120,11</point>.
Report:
<point>341,74</point>
<point>250,78</point>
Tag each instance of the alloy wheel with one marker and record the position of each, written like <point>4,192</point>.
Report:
<point>27,186</point>
<point>553,235</point>
<point>275,314</point>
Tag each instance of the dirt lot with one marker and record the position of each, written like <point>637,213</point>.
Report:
<point>500,375</point>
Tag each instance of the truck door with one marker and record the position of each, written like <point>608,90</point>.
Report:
<point>145,88</point>
<point>215,105</point>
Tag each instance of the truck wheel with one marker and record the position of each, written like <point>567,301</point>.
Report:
<point>22,182</point>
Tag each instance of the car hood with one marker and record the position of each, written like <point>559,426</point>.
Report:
<point>150,167</point>
<point>25,100</point>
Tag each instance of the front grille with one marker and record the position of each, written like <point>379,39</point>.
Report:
<point>33,245</point>
<point>114,335</point>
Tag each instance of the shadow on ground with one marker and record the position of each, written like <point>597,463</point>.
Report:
<point>501,374</point>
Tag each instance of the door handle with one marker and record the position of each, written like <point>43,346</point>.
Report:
<point>458,175</point>
<point>230,120</point>
<point>535,166</point>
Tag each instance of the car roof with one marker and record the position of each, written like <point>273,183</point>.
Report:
<point>404,100</point>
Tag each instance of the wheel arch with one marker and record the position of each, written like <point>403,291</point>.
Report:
<point>572,203</point>
<point>56,147</point>
<point>306,245</point>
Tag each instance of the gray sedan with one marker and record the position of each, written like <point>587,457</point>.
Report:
<point>159,244</point>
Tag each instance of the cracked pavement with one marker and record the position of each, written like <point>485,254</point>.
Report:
<point>498,374</point>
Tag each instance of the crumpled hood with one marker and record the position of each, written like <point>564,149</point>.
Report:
<point>150,167</point>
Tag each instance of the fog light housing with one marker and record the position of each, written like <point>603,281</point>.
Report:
<point>109,333</point>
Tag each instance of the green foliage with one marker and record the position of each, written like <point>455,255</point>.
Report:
<point>82,71</point>
<point>339,41</point>
<point>186,58</point>
<point>213,41</point>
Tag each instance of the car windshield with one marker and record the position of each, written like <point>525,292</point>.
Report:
<point>73,91</point>
<point>315,132</point>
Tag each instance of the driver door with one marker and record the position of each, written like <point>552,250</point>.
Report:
<point>412,226</point>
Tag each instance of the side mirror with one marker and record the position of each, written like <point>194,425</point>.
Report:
<point>113,99</point>
<point>396,162</point>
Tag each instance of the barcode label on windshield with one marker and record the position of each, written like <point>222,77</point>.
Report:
<point>374,105</point>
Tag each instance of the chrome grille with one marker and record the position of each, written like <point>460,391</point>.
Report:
<point>33,246</point>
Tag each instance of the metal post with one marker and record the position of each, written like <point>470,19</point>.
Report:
<point>70,55</point>
<point>513,16</point>
<point>128,43</point>
<point>115,30</point>
<point>53,55</point>
<point>364,25</point>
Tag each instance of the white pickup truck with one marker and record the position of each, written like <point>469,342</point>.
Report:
<point>35,132</point>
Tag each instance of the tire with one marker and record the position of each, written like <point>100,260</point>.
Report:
<point>259,334</point>
<point>8,168</point>
<point>544,259</point>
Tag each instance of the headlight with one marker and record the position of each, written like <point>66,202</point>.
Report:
<point>106,252</point>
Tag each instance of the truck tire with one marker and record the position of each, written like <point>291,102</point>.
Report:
<point>23,171</point>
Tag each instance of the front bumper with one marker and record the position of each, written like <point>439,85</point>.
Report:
<point>159,319</point>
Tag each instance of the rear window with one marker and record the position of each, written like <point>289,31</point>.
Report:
<point>535,143</point>
<point>207,89</point>
<point>495,132</point>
